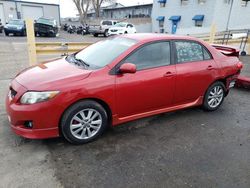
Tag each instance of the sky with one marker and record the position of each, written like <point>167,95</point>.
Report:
<point>67,7</point>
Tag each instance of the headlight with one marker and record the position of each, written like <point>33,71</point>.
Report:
<point>19,27</point>
<point>35,97</point>
<point>6,27</point>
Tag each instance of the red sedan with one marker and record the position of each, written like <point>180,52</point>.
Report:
<point>118,80</point>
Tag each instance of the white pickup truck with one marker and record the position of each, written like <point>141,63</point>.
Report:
<point>101,29</point>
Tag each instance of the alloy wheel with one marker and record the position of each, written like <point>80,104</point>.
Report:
<point>86,123</point>
<point>215,96</point>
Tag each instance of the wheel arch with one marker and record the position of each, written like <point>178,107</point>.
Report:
<point>99,101</point>
<point>223,80</point>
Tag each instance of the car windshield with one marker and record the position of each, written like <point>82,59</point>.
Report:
<point>16,22</point>
<point>120,24</point>
<point>45,21</point>
<point>106,23</point>
<point>104,52</point>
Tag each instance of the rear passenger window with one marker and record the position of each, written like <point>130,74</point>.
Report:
<point>207,56</point>
<point>190,51</point>
<point>151,55</point>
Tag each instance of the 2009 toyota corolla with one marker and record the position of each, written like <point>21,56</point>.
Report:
<point>118,80</point>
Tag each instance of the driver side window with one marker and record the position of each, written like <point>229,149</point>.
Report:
<point>150,56</point>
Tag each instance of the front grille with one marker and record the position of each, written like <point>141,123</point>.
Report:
<point>114,30</point>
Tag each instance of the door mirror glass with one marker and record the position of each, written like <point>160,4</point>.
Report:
<point>127,68</point>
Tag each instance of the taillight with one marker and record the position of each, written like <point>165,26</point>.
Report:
<point>239,65</point>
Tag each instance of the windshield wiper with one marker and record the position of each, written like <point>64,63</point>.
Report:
<point>81,61</point>
<point>72,59</point>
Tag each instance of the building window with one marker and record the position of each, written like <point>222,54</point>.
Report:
<point>198,23</point>
<point>161,20</point>
<point>244,3</point>
<point>184,2</point>
<point>201,2</point>
<point>162,3</point>
<point>198,20</point>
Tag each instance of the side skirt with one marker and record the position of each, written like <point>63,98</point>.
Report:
<point>117,120</point>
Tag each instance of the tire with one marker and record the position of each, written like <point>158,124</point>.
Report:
<point>78,130</point>
<point>214,96</point>
<point>24,33</point>
<point>6,33</point>
<point>95,35</point>
<point>243,53</point>
<point>106,33</point>
<point>125,32</point>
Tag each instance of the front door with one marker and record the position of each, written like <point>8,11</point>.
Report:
<point>152,86</point>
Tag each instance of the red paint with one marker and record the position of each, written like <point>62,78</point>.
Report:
<point>129,96</point>
<point>243,82</point>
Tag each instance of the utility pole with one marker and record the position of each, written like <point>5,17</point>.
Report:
<point>229,15</point>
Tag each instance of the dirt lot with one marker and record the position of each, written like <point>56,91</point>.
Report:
<point>188,148</point>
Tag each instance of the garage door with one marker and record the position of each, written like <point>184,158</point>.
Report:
<point>33,12</point>
<point>2,14</point>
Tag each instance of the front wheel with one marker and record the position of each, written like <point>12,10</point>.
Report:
<point>214,96</point>
<point>106,34</point>
<point>84,122</point>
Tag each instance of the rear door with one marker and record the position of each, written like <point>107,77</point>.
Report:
<point>195,69</point>
<point>152,86</point>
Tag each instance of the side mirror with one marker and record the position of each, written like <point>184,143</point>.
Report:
<point>127,68</point>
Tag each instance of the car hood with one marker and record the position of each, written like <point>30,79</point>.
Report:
<point>51,75</point>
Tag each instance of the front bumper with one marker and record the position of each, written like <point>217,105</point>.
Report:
<point>44,116</point>
<point>97,31</point>
<point>115,33</point>
<point>6,30</point>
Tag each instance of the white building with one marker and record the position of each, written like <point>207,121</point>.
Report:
<point>11,9</point>
<point>196,16</point>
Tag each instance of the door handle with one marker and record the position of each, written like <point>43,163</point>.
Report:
<point>168,74</point>
<point>210,67</point>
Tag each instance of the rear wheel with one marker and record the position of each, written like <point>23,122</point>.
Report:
<point>95,35</point>
<point>214,96</point>
<point>84,122</point>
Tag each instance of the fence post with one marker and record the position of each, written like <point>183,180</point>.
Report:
<point>212,33</point>
<point>31,41</point>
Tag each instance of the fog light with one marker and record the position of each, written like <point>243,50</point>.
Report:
<point>28,124</point>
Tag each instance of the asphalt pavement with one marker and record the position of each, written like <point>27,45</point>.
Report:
<point>187,148</point>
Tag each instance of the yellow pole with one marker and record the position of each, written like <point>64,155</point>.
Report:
<point>31,41</point>
<point>212,33</point>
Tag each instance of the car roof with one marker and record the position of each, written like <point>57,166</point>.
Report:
<point>157,36</point>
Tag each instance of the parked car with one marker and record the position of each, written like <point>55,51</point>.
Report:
<point>1,26</point>
<point>16,27</point>
<point>80,95</point>
<point>101,29</point>
<point>46,27</point>
<point>122,28</point>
